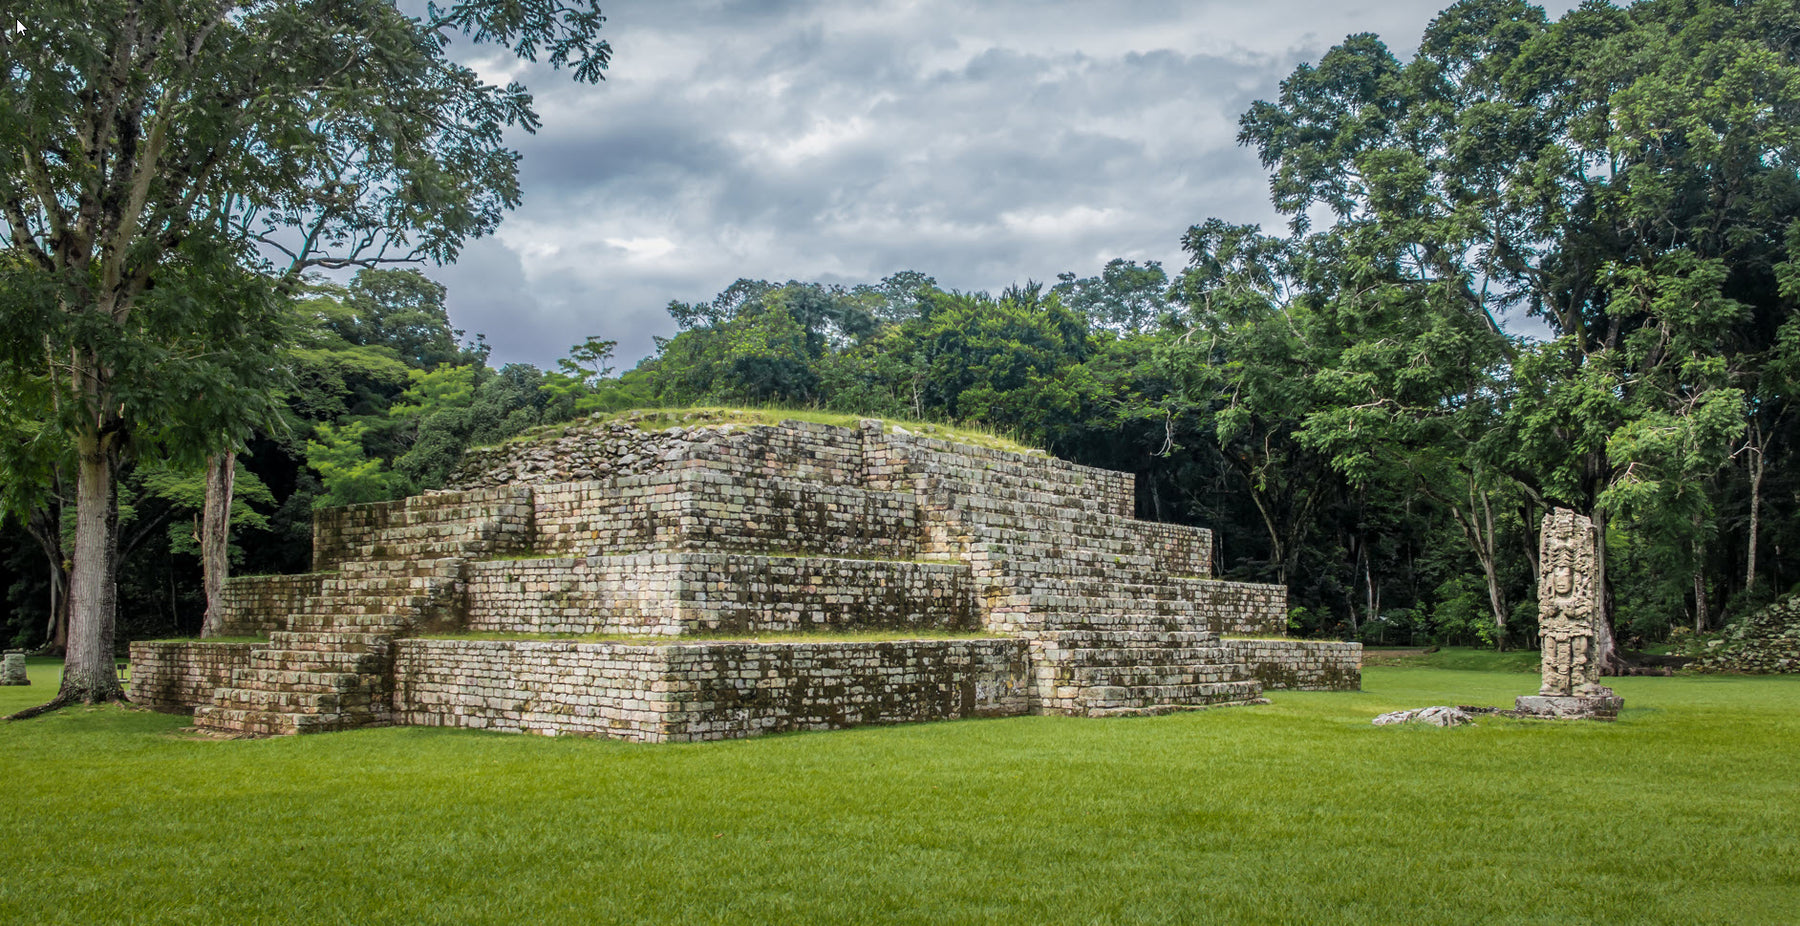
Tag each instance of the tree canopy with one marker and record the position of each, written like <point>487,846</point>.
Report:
<point>149,151</point>
<point>1543,262</point>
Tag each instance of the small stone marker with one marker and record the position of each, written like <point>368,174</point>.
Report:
<point>1567,611</point>
<point>12,670</point>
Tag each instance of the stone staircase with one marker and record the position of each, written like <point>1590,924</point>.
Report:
<point>308,681</point>
<point>1103,673</point>
<point>333,668</point>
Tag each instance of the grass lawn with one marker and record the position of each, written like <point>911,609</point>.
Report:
<point>1687,810</point>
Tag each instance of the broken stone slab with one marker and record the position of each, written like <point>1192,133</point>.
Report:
<point>1437,716</point>
<point>12,670</point>
<point>1569,707</point>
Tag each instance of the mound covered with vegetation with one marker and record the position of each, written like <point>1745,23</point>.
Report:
<point>634,442</point>
<point>1767,641</point>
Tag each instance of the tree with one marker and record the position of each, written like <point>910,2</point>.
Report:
<point>1623,173</point>
<point>1126,295</point>
<point>137,138</point>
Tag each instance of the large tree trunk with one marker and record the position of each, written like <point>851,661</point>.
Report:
<point>1700,615</point>
<point>45,526</point>
<point>215,539</point>
<point>1756,479</point>
<point>1496,600</point>
<point>56,632</point>
<point>89,674</point>
<point>1605,643</point>
<point>1477,523</point>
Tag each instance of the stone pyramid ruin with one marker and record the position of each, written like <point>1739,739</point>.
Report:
<point>1029,584</point>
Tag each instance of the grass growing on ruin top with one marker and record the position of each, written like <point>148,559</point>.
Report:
<point>241,639</point>
<point>1684,811</point>
<point>806,636</point>
<point>663,419</point>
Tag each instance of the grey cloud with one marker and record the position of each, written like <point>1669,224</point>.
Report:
<point>811,140</point>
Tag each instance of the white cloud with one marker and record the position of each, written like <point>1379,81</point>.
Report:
<point>984,144</point>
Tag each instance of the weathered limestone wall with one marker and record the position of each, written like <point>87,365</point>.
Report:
<point>1238,607</point>
<point>472,524</point>
<point>584,451</point>
<point>259,605</point>
<point>388,594</point>
<point>870,456</point>
<point>1106,673</point>
<point>1301,665</point>
<point>800,450</point>
<point>696,509</point>
<point>636,593</point>
<point>1047,539</point>
<point>913,462</point>
<point>539,686</point>
<point>580,451</point>
<point>176,677</point>
<point>1036,603</point>
<point>674,593</point>
<point>744,689</point>
<point>685,692</point>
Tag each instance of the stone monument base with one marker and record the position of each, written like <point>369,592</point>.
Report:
<point>12,670</point>
<point>1569,707</point>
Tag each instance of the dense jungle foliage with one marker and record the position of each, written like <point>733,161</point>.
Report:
<point>1339,400</point>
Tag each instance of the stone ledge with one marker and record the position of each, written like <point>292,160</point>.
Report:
<point>1569,707</point>
<point>1300,665</point>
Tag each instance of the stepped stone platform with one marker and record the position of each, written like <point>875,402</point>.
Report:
<point>1030,584</point>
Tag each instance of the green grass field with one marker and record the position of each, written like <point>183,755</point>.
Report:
<point>1687,810</point>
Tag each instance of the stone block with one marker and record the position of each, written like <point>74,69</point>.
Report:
<point>12,670</point>
<point>1569,707</point>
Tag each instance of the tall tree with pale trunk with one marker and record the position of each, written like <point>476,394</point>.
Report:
<point>144,143</point>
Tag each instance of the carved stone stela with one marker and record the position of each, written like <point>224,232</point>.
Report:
<point>1567,614</point>
<point>1566,603</point>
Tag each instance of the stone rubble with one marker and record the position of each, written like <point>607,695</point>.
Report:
<point>1437,716</point>
<point>1762,643</point>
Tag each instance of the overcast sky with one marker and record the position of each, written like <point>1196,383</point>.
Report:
<point>982,143</point>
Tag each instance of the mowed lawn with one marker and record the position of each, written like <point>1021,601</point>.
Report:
<point>1685,811</point>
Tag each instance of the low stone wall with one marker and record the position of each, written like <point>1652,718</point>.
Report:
<point>908,461</point>
<point>580,451</point>
<point>1300,665</point>
<point>175,677</point>
<point>1039,538</point>
<point>472,524</point>
<point>731,690</point>
<point>1034,604</point>
<point>259,605</point>
<point>537,686</point>
<point>609,594</point>
<point>1237,607</point>
<point>703,691</point>
<point>1111,673</point>
<point>674,593</point>
<point>869,456</point>
<point>694,509</point>
<point>820,454</point>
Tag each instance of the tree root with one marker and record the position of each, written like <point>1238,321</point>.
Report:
<point>54,704</point>
<point>63,699</point>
